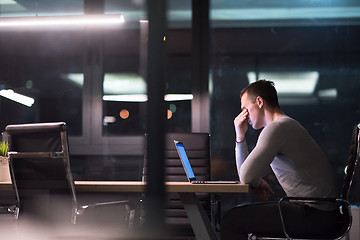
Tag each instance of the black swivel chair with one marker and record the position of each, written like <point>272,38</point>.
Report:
<point>198,150</point>
<point>41,174</point>
<point>9,210</point>
<point>342,201</point>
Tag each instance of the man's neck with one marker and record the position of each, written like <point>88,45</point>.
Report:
<point>271,116</point>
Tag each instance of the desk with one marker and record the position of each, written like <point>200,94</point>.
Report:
<point>131,186</point>
<point>199,220</point>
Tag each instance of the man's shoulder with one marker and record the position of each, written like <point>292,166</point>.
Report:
<point>282,130</point>
<point>284,123</point>
<point>281,121</point>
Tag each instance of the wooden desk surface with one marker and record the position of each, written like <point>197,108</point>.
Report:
<point>137,186</point>
<point>121,186</point>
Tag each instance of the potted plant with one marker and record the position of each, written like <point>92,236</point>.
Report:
<point>4,162</point>
<point>4,149</point>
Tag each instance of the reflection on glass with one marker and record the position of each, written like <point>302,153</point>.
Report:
<point>15,8</point>
<point>123,83</point>
<point>16,97</point>
<point>289,83</point>
<point>124,102</point>
<point>308,48</point>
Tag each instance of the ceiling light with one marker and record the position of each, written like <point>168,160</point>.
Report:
<point>124,83</point>
<point>178,97</point>
<point>289,83</point>
<point>8,2</point>
<point>330,93</point>
<point>71,20</point>
<point>126,98</point>
<point>114,83</point>
<point>285,13</point>
<point>144,97</point>
<point>16,97</point>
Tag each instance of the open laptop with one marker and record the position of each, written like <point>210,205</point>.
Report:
<point>187,166</point>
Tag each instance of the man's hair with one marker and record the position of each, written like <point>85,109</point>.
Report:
<point>265,89</point>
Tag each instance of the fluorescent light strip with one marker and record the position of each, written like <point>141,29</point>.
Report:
<point>126,98</point>
<point>8,2</point>
<point>178,97</point>
<point>330,93</point>
<point>144,97</point>
<point>244,14</point>
<point>73,20</point>
<point>16,97</point>
<point>289,83</point>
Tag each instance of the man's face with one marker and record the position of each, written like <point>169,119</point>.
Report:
<point>256,114</point>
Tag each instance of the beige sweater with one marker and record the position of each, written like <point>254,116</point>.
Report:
<point>299,164</point>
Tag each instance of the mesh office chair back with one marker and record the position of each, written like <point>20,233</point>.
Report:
<point>350,171</point>
<point>352,163</point>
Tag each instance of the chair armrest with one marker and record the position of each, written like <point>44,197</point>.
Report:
<point>309,200</point>
<point>36,155</point>
<point>130,209</point>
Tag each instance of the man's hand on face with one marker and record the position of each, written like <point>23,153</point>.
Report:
<point>263,192</point>
<point>241,125</point>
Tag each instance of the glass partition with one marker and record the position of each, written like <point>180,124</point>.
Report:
<point>41,81</point>
<point>124,84</point>
<point>93,78</point>
<point>309,49</point>
<point>22,8</point>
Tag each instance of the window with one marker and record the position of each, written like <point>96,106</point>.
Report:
<point>43,70</point>
<point>309,50</point>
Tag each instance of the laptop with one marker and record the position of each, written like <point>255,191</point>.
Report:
<point>188,169</point>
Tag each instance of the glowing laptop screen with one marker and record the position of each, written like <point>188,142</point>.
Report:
<point>185,160</point>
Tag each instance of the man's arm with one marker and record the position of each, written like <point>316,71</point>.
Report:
<point>241,153</point>
<point>241,150</point>
<point>261,189</point>
<point>241,125</point>
<point>269,144</point>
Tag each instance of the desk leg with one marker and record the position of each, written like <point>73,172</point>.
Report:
<point>198,218</point>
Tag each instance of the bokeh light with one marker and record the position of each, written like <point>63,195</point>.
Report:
<point>169,114</point>
<point>124,114</point>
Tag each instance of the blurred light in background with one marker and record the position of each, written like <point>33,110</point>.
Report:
<point>289,83</point>
<point>16,97</point>
<point>124,114</point>
<point>67,20</point>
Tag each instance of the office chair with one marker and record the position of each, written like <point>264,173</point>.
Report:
<point>198,149</point>
<point>342,201</point>
<point>9,210</point>
<point>8,204</point>
<point>41,174</point>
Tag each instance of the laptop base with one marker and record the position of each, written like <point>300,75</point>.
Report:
<point>214,182</point>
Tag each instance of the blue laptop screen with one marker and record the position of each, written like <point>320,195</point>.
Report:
<point>185,160</point>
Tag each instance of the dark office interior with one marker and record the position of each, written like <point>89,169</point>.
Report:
<point>213,49</point>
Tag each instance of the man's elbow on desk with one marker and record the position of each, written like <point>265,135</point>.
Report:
<point>247,179</point>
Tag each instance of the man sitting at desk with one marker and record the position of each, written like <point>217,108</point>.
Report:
<point>296,160</point>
